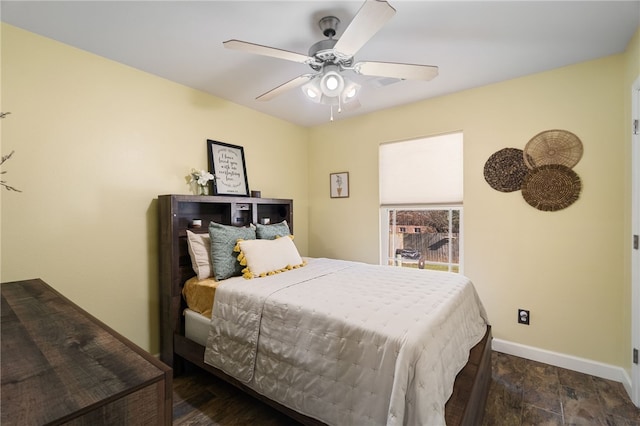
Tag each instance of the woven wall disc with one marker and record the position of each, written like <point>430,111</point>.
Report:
<point>505,170</point>
<point>551,187</point>
<point>553,147</point>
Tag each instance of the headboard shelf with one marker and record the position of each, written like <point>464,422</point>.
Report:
<point>176,213</point>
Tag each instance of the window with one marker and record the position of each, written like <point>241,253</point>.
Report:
<point>434,245</point>
<point>421,191</point>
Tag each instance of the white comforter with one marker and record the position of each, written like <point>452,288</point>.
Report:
<point>349,343</point>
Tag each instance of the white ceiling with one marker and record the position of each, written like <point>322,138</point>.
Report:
<point>474,43</point>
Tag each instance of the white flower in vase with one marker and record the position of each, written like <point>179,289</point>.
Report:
<point>200,180</point>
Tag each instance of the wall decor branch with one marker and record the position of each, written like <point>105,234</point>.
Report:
<point>2,182</point>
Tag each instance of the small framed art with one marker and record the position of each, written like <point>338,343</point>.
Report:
<point>227,165</point>
<point>339,185</point>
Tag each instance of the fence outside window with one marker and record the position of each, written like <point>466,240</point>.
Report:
<point>426,238</point>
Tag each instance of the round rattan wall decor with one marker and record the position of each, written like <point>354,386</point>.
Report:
<point>551,187</point>
<point>553,147</point>
<point>505,170</point>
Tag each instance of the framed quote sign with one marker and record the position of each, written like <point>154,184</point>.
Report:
<point>227,165</point>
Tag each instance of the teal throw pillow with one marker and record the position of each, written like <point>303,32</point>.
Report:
<point>223,239</point>
<point>270,232</point>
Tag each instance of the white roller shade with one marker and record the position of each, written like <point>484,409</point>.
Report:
<point>422,171</point>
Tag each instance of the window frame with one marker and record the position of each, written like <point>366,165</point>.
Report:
<point>385,230</point>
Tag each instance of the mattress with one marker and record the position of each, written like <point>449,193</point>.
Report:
<point>196,326</point>
<point>349,343</point>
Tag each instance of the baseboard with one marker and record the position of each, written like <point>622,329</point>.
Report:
<point>581,365</point>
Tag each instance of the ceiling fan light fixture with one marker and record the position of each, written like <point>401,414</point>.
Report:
<point>312,91</point>
<point>331,83</point>
<point>331,88</point>
<point>350,91</point>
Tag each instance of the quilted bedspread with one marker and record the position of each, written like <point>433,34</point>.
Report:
<point>349,343</point>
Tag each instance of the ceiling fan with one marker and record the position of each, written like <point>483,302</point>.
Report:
<point>330,57</point>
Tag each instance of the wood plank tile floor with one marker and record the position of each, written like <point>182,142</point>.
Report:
<point>522,393</point>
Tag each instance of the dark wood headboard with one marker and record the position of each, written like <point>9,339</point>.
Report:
<point>176,212</point>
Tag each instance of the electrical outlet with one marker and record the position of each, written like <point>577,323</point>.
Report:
<point>523,316</point>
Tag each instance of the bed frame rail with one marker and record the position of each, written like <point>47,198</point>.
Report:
<point>465,407</point>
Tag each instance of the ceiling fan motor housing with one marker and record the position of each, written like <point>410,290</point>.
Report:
<point>323,51</point>
<point>324,54</point>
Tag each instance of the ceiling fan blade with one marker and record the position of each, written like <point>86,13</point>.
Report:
<point>267,51</point>
<point>291,84</point>
<point>370,18</point>
<point>396,70</point>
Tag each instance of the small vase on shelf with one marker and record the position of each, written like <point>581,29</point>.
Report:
<point>200,181</point>
<point>203,189</point>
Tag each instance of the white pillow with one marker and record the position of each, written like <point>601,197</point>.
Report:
<point>200,252</point>
<point>268,257</point>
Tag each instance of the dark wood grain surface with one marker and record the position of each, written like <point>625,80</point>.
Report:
<point>59,363</point>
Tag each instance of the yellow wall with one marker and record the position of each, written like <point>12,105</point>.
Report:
<point>95,143</point>
<point>565,266</point>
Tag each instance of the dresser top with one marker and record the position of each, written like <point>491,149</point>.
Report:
<point>57,360</point>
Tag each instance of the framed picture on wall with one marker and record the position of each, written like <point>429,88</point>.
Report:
<point>339,185</point>
<point>227,164</point>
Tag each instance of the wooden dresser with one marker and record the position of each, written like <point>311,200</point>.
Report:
<point>60,365</point>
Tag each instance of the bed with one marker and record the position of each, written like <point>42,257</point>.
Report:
<point>334,342</point>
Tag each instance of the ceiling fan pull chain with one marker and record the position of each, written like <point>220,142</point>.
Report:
<point>331,118</point>
<point>339,104</point>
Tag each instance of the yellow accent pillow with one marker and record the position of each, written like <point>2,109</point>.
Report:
<point>268,257</point>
